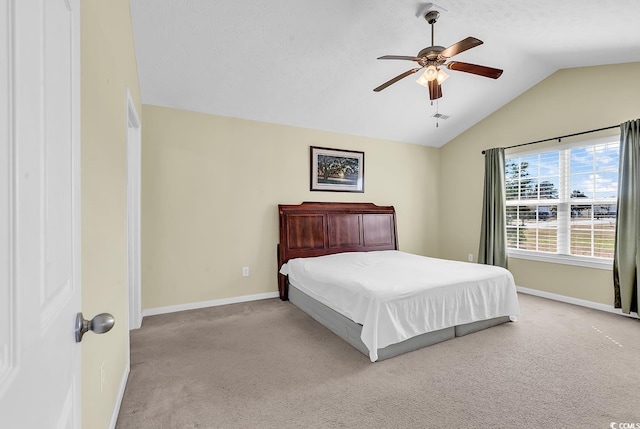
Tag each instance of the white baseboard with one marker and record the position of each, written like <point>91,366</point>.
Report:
<point>204,304</point>
<point>575,301</point>
<point>123,385</point>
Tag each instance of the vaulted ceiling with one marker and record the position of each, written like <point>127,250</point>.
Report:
<point>313,64</point>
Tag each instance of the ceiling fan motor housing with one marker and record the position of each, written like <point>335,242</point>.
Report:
<point>431,53</point>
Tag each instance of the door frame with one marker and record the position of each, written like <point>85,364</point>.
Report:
<point>134,167</point>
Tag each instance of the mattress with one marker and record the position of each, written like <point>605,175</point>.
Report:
<point>396,295</point>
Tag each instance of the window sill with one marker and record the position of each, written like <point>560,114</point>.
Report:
<point>580,261</point>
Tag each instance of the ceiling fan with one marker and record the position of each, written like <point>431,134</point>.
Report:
<point>434,57</point>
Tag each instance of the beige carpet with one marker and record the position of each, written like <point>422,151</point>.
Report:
<point>266,364</point>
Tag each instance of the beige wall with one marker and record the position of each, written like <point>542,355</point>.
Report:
<point>108,66</point>
<point>210,190</point>
<point>568,101</point>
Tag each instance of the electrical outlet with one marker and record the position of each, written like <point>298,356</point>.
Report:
<point>470,257</point>
<point>102,377</point>
<point>245,271</point>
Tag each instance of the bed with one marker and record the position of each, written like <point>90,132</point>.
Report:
<point>340,263</point>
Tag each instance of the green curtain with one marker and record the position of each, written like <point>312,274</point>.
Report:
<point>626,259</point>
<point>493,232</point>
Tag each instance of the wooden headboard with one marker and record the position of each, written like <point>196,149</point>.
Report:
<point>316,229</point>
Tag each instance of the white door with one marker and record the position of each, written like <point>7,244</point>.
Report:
<point>39,213</point>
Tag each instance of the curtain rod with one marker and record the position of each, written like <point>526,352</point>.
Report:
<point>560,137</point>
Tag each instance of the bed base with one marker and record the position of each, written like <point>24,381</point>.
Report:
<point>470,328</point>
<point>350,331</point>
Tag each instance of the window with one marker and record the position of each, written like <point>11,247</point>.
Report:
<point>562,201</point>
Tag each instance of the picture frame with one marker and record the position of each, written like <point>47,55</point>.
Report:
<point>336,170</point>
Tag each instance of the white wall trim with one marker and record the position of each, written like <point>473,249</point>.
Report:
<point>575,301</point>
<point>205,304</point>
<point>554,258</point>
<point>134,174</point>
<point>123,385</point>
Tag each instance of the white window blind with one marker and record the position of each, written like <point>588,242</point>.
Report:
<point>563,200</point>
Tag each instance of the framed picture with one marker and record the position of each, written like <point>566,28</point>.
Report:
<point>337,170</point>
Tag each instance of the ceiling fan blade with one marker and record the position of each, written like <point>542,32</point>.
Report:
<point>475,69</point>
<point>397,78</point>
<point>461,46</point>
<point>435,90</point>
<point>399,57</point>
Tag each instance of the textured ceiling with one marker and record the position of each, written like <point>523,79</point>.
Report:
<point>313,64</point>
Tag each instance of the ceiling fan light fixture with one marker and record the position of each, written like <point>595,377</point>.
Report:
<point>441,76</point>
<point>431,73</point>
<point>423,81</point>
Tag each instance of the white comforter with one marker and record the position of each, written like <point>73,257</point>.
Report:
<point>396,295</point>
